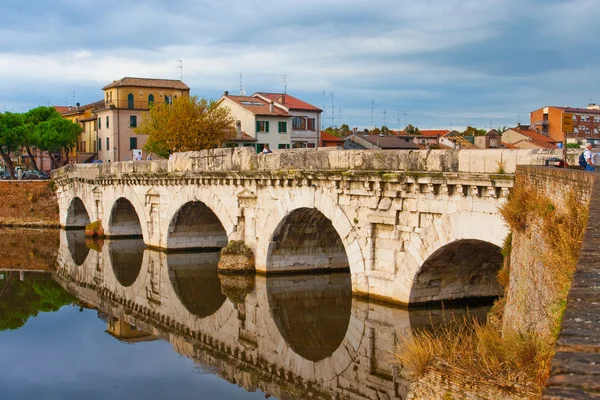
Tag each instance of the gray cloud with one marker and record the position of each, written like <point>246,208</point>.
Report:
<point>440,61</point>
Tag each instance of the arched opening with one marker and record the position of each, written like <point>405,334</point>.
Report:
<point>312,312</point>
<point>130,101</point>
<point>77,215</point>
<point>306,240</point>
<point>462,270</point>
<point>126,258</point>
<point>124,220</point>
<point>76,243</point>
<point>195,281</point>
<point>150,100</point>
<point>195,226</point>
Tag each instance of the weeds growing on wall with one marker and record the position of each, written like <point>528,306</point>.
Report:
<point>480,351</point>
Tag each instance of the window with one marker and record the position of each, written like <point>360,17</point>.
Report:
<point>133,121</point>
<point>130,100</point>
<point>283,146</point>
<point>132,143</point>
<point>106,122</point>
<point>94,146</point>
<point>99,123</point>
<point>83,147</point>
<point>311,124</point>
<point>262,126</point>
<point>282,127</point>
<point>168,99</point>
<point>299,123</point>
<point>150,99</point>
<point>99,144</point>
<point>107,144</point>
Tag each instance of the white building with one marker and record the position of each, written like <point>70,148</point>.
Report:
<point>306,118</point>
<point>259,122</point>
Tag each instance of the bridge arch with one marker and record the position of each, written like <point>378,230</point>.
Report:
<point>195,225</point>
<point>124,219</point>
<point>455,258</point>
<point>126,259</point>
<point>214,219</point>
<point>325,209</point>
<point>77,214</point>
<point>305,239</point>
<point>77,247</point>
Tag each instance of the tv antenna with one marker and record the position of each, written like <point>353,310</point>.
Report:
<point>385,118</point>
<point>180,67</point>
<point>332,110</point>
<point>284,77</point>
<point>324,110</point>
<point>372,105</point>
<point>242,91</point>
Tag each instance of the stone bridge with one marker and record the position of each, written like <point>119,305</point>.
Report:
<point>294,337</point>
<point>411,226</point>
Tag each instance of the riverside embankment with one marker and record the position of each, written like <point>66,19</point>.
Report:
<point>30,204</point>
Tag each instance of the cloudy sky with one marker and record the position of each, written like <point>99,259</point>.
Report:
<point>432,63</point>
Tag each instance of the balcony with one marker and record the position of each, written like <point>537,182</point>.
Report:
<point>129,104</point>
<point>543,122</point>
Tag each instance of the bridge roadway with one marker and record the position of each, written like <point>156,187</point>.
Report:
<point>294,337</point>
<point>411,226</point>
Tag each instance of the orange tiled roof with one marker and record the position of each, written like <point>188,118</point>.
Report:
<point>327,137</point>
<point>257,106</point>
<point>62,109</point>
<point>289,101</point>
<point>429,132</point>
<point>148,82</point>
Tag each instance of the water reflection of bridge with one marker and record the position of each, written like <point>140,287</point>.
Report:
<point>289,336</point>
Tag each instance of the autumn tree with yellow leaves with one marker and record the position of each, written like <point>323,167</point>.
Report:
<point>188,124</point>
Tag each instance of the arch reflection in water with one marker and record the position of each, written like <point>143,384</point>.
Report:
<point>76,242</point>
<point>126,256</point>
<point>312,312</point>
<point>195,281</point>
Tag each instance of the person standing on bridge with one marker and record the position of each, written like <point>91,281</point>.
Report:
<point>587,155</point>
<point>266,149</point>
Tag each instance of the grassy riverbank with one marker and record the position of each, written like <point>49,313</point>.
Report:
<point>28,204</point>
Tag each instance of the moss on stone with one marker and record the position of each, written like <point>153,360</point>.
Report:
<point>94,230</point>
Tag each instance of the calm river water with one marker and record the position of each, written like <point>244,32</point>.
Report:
<point>99,320</point>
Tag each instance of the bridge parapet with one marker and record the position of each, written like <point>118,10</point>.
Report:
<point>489,161</point>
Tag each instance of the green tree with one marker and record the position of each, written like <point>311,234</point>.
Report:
<point>375,131</point>
<point>472,131</point>
<point>502,130</point>
<point>385,130</point>
<point>33,118</point>
<point>186,125</point>
<point>411,130</point>
<point>11,136</point>
<point>345,130</point>
<point>55,134</point>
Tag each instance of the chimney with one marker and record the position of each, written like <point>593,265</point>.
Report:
<point>226,93</point>
<point>271,106</point>
<point>283,99</point>
<point>77,106</point>
<point>238,129</point>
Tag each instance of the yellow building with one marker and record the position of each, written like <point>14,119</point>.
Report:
<point>125,100</point>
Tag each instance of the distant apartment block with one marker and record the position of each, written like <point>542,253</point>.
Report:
<point>548,121</point>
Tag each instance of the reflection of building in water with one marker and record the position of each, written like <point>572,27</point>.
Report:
<point>293,337</point>
<point>127,332</point>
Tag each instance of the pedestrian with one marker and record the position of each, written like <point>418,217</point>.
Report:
<point>171,156</point>
<point>149,158</point>
<point>266,149</point>
<point>587,156</point>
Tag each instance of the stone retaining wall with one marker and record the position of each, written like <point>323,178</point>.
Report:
<point>530,294</point>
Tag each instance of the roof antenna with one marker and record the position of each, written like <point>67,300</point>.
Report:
<point>180,67</point>
<point>284,83</point>
<point>242,91</point>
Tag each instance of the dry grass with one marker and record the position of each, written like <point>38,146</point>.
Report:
<point>480,351</point>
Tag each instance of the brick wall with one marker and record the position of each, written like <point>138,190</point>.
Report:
<point>529,294</point>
